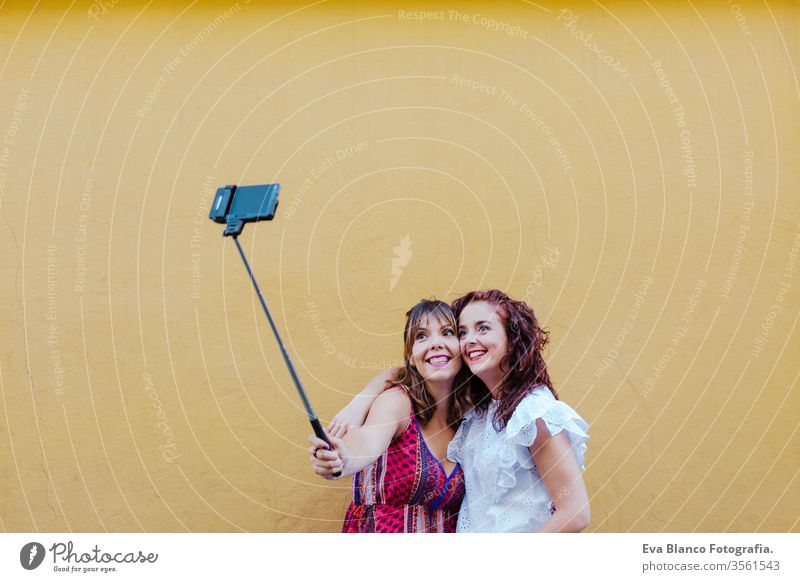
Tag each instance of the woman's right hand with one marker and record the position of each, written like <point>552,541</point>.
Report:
<point>351,416</point>
<point>324,461</point>
<point>355,413</point>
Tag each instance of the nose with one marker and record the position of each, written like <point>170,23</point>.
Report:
<point>469,337</point>
<point>437,342</point>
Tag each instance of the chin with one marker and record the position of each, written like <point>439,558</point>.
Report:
<point>483,368</point>
<point>477,367</point>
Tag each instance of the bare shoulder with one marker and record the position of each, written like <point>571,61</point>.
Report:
<point>392,408</point>
<point>394,399</point>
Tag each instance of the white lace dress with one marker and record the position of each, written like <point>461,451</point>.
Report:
<point>504,491</point>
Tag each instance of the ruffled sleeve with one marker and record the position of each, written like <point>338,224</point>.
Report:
<point>455,449</point>
<point>520,432</point>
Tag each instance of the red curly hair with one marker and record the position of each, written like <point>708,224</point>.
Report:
<point>523,365</point>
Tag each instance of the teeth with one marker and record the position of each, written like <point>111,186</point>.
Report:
<point>477,353</point>
<point>438,359</point>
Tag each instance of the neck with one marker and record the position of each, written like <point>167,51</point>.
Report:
<point>493,381</point>
<point>441,392</point>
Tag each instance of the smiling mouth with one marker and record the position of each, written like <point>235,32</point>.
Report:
<point>439,361</point>
<point>474,355</point>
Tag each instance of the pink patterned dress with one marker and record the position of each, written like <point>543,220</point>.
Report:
<point>406,490</point>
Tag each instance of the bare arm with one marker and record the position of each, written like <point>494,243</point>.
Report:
<point>563,479</point>
<point>355,412</point>
<point>387,419</point>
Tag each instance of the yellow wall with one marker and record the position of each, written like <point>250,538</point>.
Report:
<point>630,169</point>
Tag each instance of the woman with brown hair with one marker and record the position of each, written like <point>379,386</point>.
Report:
<point>403,481</point>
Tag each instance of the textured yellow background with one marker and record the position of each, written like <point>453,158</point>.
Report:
<point>630,169</point>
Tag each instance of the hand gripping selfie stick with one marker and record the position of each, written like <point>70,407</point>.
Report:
<point>235,206</point>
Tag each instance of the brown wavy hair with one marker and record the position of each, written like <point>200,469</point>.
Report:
<point>409,377</point>
<point>523,366</point>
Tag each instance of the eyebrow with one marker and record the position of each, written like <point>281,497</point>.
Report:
<point>444,325</point>
<point>476,323</point>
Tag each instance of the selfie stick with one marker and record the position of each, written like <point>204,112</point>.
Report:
<point>234,229</point>
<point>300,390</point>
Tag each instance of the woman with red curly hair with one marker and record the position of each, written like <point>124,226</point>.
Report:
<point>520,447</point>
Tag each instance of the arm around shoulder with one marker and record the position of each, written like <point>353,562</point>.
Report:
<point>355,412</point>
<point>387,419</point>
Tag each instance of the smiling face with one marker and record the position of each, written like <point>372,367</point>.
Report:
<point>435,349</point>
<point>483,339</point>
